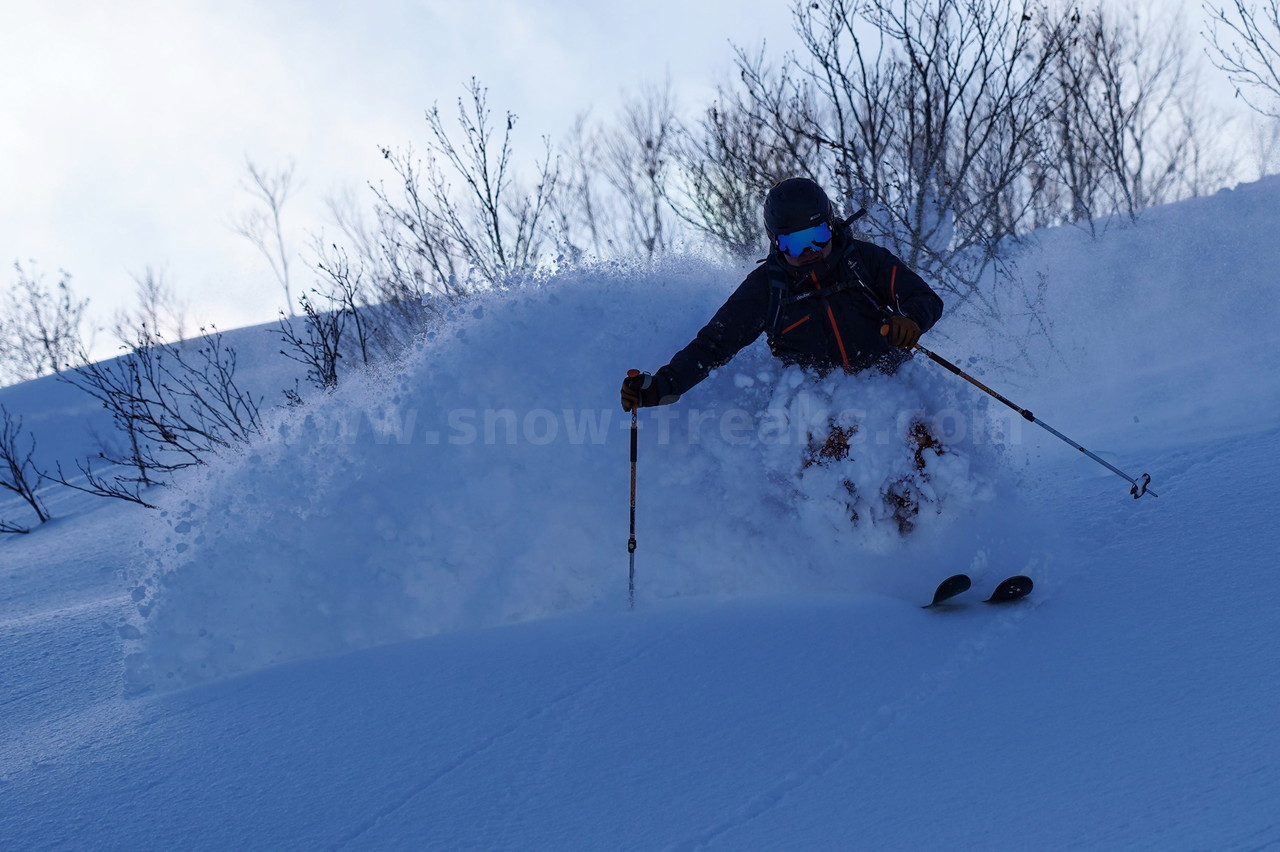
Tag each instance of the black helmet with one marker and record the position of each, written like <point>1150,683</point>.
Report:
<point>796,204</point>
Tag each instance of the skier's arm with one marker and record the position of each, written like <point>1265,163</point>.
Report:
<point>902,290</point>
<point>736,325</point>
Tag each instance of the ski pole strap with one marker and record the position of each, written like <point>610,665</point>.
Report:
<point>1140,485</point>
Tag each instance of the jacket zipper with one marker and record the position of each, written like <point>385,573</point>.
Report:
<point>844,356</point>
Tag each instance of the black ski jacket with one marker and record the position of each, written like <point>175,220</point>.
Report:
<point>825,315</point>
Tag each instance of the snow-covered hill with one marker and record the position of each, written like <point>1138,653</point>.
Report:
<point>399,620</point>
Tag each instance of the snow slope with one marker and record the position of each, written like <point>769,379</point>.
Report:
<point>340,639</point>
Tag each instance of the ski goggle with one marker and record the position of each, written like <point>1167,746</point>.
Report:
<point>797,242</point>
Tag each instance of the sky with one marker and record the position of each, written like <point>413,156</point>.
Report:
<point>125,126</point>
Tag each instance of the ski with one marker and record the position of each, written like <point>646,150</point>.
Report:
<point>1010,589</point>
<point>949,588</point>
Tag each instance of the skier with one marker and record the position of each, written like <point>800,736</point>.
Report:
<point>824,300</point>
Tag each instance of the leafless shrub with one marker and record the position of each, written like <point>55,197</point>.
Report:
<point>444,242</point>
<point>583,205</point>
<point>157,311</point>
<point>505,232</point>
<point>262,226</point>
<point>113,484</point>
<point>341,322</point>
<point>732,155</point>
<point>1262,145</point>
<point>1129,132</point>
<point>638,159</point>
<point>318,346</point>
<point>612,194</point>
<point>1244,41</point>
<point>375,272</point>
<point>17,473</point>
<point>175,406</point>
<point>40,327</point>
<point>960,125</point>
<point>923,111</point>
<point>414,255</point>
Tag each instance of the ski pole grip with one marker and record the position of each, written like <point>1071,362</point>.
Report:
<point>648,379</point>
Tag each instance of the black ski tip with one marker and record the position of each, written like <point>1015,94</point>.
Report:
<point>1012,589</point>
<point>949,588</point>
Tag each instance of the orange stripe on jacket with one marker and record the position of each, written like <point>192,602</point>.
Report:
<point>798,322</point>
<point>844,356</point>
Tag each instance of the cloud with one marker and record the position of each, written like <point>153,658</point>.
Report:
<point>125,125</point>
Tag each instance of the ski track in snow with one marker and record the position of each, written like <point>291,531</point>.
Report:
<point>895,712</point>
<point>353,837</point>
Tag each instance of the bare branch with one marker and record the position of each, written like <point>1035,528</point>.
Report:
<point>177,407</point>
<point>638,156</point>
<point>40,328</point>
<point>115,486</point>
<point>17,474</point>
<point>262,226</point>
<point>1244,41</point>
<point>157,311</point>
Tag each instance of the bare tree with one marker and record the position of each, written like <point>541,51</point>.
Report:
<point>638,161</point>
<point>157,310</point>
<point>262,226</point>
<point>612,195</point>
<point>1201,158</point>
<point>17,473</point>
<point>730,158</point>
<point>381,268</point>
<point>40,327</point>
<point>1263,145</point>
<point>335,320</point>
<point>510,222</point>
<point>924,111</point>
<point>485,231</point>
<point>1129,132</point>
<point>176,406</point>
<point>1244,41</point>
<point>415,255</point>
<point>584,216</point>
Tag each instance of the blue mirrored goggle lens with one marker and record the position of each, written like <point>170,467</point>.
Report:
<point>797,242</point>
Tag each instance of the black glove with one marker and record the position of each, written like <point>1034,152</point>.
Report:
<point>902,331</point>
<point>641,391</point>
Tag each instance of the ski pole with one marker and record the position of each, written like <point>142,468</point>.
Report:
<point>1139,485</point>
<point>631,543</point>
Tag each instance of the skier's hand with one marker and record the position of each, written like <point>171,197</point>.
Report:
<point>902,331</point>
<point>639,390</point>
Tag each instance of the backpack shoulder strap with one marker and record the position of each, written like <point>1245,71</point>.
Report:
<point>856,271</point>
<point>777,292</point>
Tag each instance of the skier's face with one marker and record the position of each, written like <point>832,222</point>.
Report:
<point>805,246</point>
<point>809,256</point>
